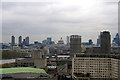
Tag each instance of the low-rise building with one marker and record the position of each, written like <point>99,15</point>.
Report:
<point>37,60</point>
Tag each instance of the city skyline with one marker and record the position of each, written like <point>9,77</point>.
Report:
<point>60,40</point>
<point>58,19</point>
<point>17,40</point>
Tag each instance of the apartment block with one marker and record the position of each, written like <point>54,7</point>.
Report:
<point>96,67</point>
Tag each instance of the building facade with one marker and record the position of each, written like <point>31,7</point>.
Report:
<point>75,44</point>
<point>95,67</point>
<point>27,41</point>
<point>98,40</point>
<point>12,40</point>
<point>116,40</point>
<point>68,41</point>
<point>105,42</point>
<point>37,61</point>
<point>20,40</point>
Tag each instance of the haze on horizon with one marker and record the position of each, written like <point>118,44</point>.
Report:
<point>57,19</point>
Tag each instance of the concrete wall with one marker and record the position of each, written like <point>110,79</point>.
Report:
<point>40,63</point>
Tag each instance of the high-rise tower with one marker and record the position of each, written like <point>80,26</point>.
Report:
<point>75,44</point>
<point>49,39</point>
<point>12,41</point>
<point>116,40</point>
<point>20,40</point>
<point>105,42</point>
<point>27,41</point>
<point>98,40</point>
<point>68,40</point>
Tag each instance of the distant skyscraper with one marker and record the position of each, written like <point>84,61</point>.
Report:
<point>116,40</point>
<point>75,44</point>
<point>49,39</point>
<point>98,40</point>
<point>24,42</point>
<point>68,40</point>
<point>27,41</point>
<point>105,42</point>
<point>12,41</point>
<point>90,42</point>
<point>20,40</point>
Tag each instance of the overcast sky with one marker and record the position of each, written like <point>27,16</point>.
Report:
<point>59,18</point>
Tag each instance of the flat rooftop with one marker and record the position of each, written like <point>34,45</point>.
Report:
<point>98,56</point>
<point>21,70</point>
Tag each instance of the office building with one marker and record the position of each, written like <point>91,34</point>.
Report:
<point>75,44</point>
<point>24,42</point>
<point>49,39</point>
<point>116,40</point>
<point>96,67</point>
<point>105,42</point>
<point>27,41</point>
<point>90,42</point>
<point>12,41</point>
<point>98,40</point>
<point>68,41</point>
<point>20,40</point>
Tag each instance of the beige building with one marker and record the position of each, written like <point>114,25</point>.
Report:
<point>95,67</point>
<point>37,61</point>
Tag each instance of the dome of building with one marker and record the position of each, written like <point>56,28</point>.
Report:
<point>61,42</point>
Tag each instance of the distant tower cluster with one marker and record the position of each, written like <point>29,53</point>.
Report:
<point>105,42</point>
<point>48,41</point>
<point>25,41</point>
<point>75,44</point>
<point>20,42</point>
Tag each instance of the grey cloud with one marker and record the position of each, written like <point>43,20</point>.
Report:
<point>53,18</point>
